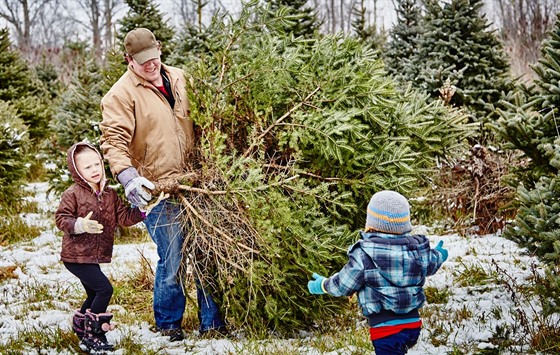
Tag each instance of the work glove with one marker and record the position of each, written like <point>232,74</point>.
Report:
<point>87,225</point>
<point>148,208</point>
<point>315,286</point>
<point>136,188</point>
<point>443,252</point>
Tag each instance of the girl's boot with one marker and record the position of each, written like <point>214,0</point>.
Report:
<point>96,325</point>
<point>78,323</point>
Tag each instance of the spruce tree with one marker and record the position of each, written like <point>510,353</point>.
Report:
<point>194,40</point>
<point>20,86</point>
<point>458,45</point>
<point>403,40</point>
<point>146,13</point>
<point>76,119</point>
<point>530,125</point>
<point>14,144</point>
<point>364,31</point>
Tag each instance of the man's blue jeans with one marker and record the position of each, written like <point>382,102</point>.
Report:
<point>165,228</point>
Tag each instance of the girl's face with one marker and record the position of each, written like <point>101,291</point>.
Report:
<point>150,70</point>
<point>89,166</point>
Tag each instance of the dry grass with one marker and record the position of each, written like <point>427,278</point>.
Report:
<point>470,195</point>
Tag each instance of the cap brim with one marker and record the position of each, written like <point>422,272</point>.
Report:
<point>146,55</point>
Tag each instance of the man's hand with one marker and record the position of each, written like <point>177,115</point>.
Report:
<point>148,208</point>
<point>136,188</point>
<point>87,225</point>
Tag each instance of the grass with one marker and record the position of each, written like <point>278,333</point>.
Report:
<point>472,275</point>
<point>132,235</point>
<point>7,272</point>
<point>44,338</point>
<point>435,295</point>
<point>14,229</point>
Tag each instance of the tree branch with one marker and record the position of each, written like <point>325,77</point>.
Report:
<point>277,122</point>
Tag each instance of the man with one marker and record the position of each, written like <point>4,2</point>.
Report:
<point>147,136</point>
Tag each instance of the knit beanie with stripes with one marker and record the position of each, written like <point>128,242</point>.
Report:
<point>388,212</point>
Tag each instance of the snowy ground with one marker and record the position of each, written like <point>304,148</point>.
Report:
<point>471,316</point>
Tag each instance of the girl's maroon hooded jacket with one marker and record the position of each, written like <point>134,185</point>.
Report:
<point>108,209</point>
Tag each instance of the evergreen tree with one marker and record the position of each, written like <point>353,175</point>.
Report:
<point>530,125</point>
<point>194,40</point>
<point>306,25</point>
<point>146,13</point>
<point>14,144</point>
<point>365,32</point>
<point>76,119</point>
<point>15,76</point>
<point>457,45</point>
<point>403,40</point>
<point>20,86</point>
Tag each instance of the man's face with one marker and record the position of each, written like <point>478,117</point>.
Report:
<point>149,71</point>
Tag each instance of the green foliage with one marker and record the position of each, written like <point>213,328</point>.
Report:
<point>146,13</point>
<point>15,76</point>
<point>404,40</point>
<point>77,119</point>
<point>305,24</point>
<point>365,32</point>
<point>529,124</point>
<point>194,40</point>
<point>20,86</point>
<point>14,145</point>
<point>48,76</point>
<point>295,136</point>
<point>537,226</point>
<point>14,229</point>
<point>457,45</point>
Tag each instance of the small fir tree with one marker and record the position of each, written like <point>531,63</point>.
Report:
<point>19,86</point>
<point>364,31</point>
<point>14,144</point>
<point>76,119</point>
<point>194,40</point>
<point>457,45</point>
<point>531,127</point>
<point>403,40</point>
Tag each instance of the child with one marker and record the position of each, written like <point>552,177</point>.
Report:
<point>387,267</point>
<point>88,214</point>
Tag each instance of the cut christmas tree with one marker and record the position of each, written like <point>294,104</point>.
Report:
<point>293,137</point>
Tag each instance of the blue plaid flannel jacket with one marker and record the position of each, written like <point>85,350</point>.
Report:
<point>387,271</point>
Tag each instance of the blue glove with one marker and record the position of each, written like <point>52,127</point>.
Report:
<point>443,252</point>
<point>315,286</point>
<point>136,187</point>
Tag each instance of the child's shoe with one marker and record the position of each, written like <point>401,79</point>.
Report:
<point>94,340</point>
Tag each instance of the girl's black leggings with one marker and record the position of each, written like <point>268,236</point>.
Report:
<point>98,287</point>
